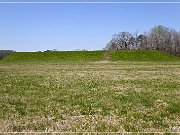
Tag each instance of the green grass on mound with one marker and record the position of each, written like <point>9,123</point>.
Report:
<point>142,55</point>
<point>120,55</point>
<point>56,56</point>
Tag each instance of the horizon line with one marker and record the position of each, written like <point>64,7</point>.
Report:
<point>89,2</point>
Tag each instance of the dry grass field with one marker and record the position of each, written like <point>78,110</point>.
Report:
<point>99,96</point>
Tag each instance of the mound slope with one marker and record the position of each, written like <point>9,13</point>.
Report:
<point>119,55</point>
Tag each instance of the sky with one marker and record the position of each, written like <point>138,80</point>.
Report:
<point>65,27</point>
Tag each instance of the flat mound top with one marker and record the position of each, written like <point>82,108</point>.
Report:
<point>118,55</point>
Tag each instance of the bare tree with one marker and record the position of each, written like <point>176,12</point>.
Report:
<point>121,41</point>
<point>164,39</point>
<point>124,40</point>
<point>159,36</point>
<point>142,42</point>
<point>113,44</point>
<point>175,42</point>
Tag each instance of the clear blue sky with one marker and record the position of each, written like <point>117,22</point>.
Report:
<point>38,27</point>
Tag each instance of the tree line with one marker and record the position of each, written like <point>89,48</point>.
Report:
<point>5,53</point>
<point>159,38</point>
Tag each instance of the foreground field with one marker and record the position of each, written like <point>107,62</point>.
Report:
<point>90,96</point>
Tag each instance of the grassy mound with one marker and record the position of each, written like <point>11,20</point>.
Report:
<point>56,56</point>
<point>119,55</point>
<point>142,55</point>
